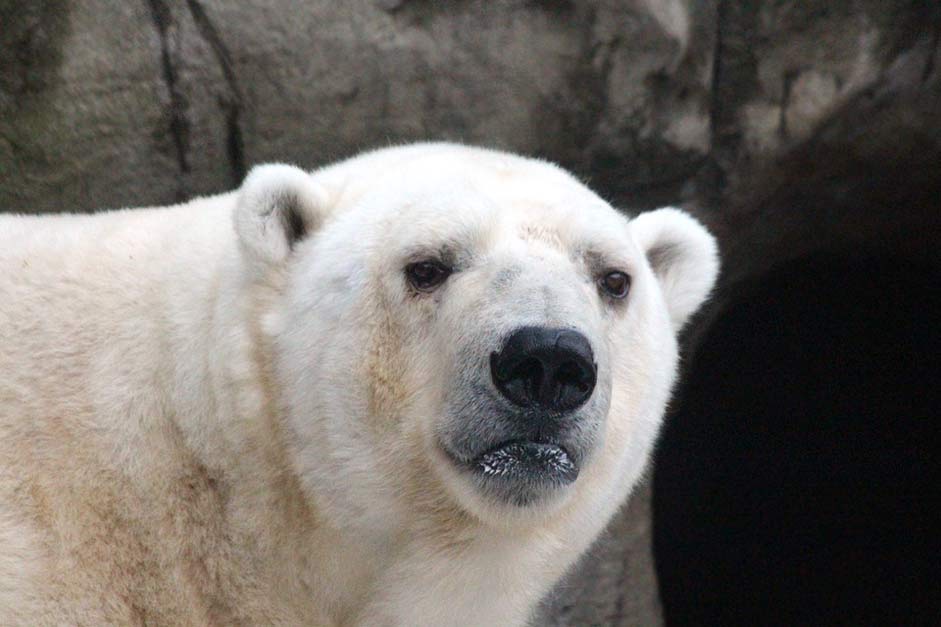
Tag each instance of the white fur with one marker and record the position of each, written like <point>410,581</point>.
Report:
<point>205,422</point>
<point>688,261</point>
<point>268,193</point>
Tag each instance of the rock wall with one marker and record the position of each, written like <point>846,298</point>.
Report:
<point>99,97</point>
<point>786,125</point>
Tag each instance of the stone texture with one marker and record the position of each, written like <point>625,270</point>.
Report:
<point>154,101</point>
<point>788,126</point>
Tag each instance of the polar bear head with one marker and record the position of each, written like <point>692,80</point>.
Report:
<point>466,333</point>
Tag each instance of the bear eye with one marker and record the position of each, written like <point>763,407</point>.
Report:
<point>426,275</point>
<point>615,284</point>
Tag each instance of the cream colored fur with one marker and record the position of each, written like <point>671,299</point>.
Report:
<point>203,422</point>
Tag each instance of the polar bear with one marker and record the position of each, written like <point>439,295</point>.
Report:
<point>406,389</point>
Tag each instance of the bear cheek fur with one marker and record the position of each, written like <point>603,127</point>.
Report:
<point>384,366</point>
<point>388,381</point>
<point>399,360</point>
<point>391,372</point>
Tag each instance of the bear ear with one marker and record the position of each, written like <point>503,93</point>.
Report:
<point>278,205</point>
<point>684,258</point>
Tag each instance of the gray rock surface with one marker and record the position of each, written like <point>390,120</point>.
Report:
<point>786,125</point>
<point>152,101</point>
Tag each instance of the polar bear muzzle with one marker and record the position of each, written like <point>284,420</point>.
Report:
<point>527,418</point>
<point>548,373</point>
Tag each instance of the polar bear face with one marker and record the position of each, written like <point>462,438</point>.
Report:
<point>465,331</point>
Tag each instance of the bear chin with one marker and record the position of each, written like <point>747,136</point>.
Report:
<point>514,479</point>
<point>523,473</point>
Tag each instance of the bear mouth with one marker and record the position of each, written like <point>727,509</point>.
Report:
<point>521,470</point>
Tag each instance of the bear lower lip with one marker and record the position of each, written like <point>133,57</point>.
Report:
<point>525,460</point>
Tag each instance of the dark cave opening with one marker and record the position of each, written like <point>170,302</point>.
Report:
<point>797,482</point>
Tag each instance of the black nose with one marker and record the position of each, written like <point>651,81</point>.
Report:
<point>551,369</point>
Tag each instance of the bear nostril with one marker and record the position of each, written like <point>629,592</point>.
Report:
<point>523,379</point>
<point>572,383</point>
<point>570,373</point>
<point>552,369</point>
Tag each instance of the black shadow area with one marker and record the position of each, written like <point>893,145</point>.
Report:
<point>798,482</point>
